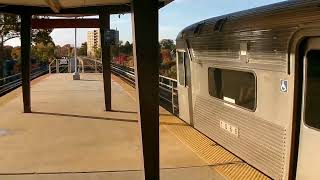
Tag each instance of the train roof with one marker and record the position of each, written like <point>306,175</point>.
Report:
<point>290,6</point>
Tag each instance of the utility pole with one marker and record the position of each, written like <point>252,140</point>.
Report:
<point>76,75</point>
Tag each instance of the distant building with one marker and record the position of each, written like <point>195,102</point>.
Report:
<point>93,42</point>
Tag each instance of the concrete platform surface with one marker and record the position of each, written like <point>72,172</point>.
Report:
<point>69,135</point>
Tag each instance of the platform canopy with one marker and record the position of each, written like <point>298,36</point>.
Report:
<point>74,7</point>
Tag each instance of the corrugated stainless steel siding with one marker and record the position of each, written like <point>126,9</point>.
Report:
<point>267,31</point>
<point>260,143</point>
<point>267,49</point>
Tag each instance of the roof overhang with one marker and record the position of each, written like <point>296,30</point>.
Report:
<point>69,7</point>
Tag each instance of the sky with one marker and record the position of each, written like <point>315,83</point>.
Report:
<point>172,19</point>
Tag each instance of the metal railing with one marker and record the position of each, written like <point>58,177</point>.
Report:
<point>10,83</point>
<point>85,65</point>
<point>168,91</point>
<point>91,65</point>
<point>58,67</point>
<point>168,87</point>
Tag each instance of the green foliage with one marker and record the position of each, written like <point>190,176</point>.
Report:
<point>168,63</point>
<point>9,27</point>
<point>16,54</point>
<point>64,51</point>
<point>43,52</point>
<point>126,48</point>
<point>42,36</point>
<point>97,53</point>
<point>167,44</point>
<point>115,50</point>
<point>7,52</point>
<point>83,49</point>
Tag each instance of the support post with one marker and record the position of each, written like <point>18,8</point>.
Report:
<point>146,59</point>
<point>76,75</point>
<point>104,19</point>
<point>25,60</point>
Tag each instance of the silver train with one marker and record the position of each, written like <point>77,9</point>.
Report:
<point>251,81</point>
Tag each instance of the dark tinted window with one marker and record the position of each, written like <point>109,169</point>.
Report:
<point>181,68</point>
<point>187,69</point>
<point>235,87</point>
<point>312,104</point>
<point>184,69</point>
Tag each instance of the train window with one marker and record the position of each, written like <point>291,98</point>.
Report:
<point>236,87</point>
<point>181,68</point>
<point>187,69</point>
<point>312,89</point>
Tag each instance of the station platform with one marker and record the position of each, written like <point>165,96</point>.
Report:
<point>69,135</point>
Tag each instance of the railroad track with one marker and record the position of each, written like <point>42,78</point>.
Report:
<point>12,82</point>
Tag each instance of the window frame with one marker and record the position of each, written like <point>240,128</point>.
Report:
<point>185,54</point>
<point>305,89</point>
<point>186,70</point>
<point>234,104</point>
<point>184,67</point>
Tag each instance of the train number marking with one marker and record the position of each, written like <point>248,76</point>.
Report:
<point>229,128</point>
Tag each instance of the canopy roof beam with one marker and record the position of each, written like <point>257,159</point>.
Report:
<point>54,5</point>
<point>88,10</point>
<point>64,23</point>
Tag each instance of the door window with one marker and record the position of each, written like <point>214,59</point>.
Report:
<point>312,94</point>
<point>184,69</point>
<point>181,68</point>
<point>187,69</point>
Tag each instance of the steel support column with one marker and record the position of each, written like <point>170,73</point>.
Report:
<point>146,58</point>
<point>25,60</point>
<point>104,19</point>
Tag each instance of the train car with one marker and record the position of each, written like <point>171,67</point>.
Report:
<point>251,81</point>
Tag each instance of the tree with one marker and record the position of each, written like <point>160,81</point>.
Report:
<point>83,49</point>
<point>16,53</point>
<point>42,36</point>
<point>126,48</point>
<point>97,53</point>
<point>64,51</point>
<point>43,52</point>
<point>10,28</point>
<point>167,44</point>
<point>7,52</point>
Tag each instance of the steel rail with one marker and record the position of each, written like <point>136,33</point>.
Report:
<point>12,82</point>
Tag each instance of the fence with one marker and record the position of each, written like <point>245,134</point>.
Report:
<point>9,83</point>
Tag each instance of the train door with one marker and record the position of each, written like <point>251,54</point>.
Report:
<point>184,86</point>
<point>309,141</point>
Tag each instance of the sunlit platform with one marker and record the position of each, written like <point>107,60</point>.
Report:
<point>69,135</point>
